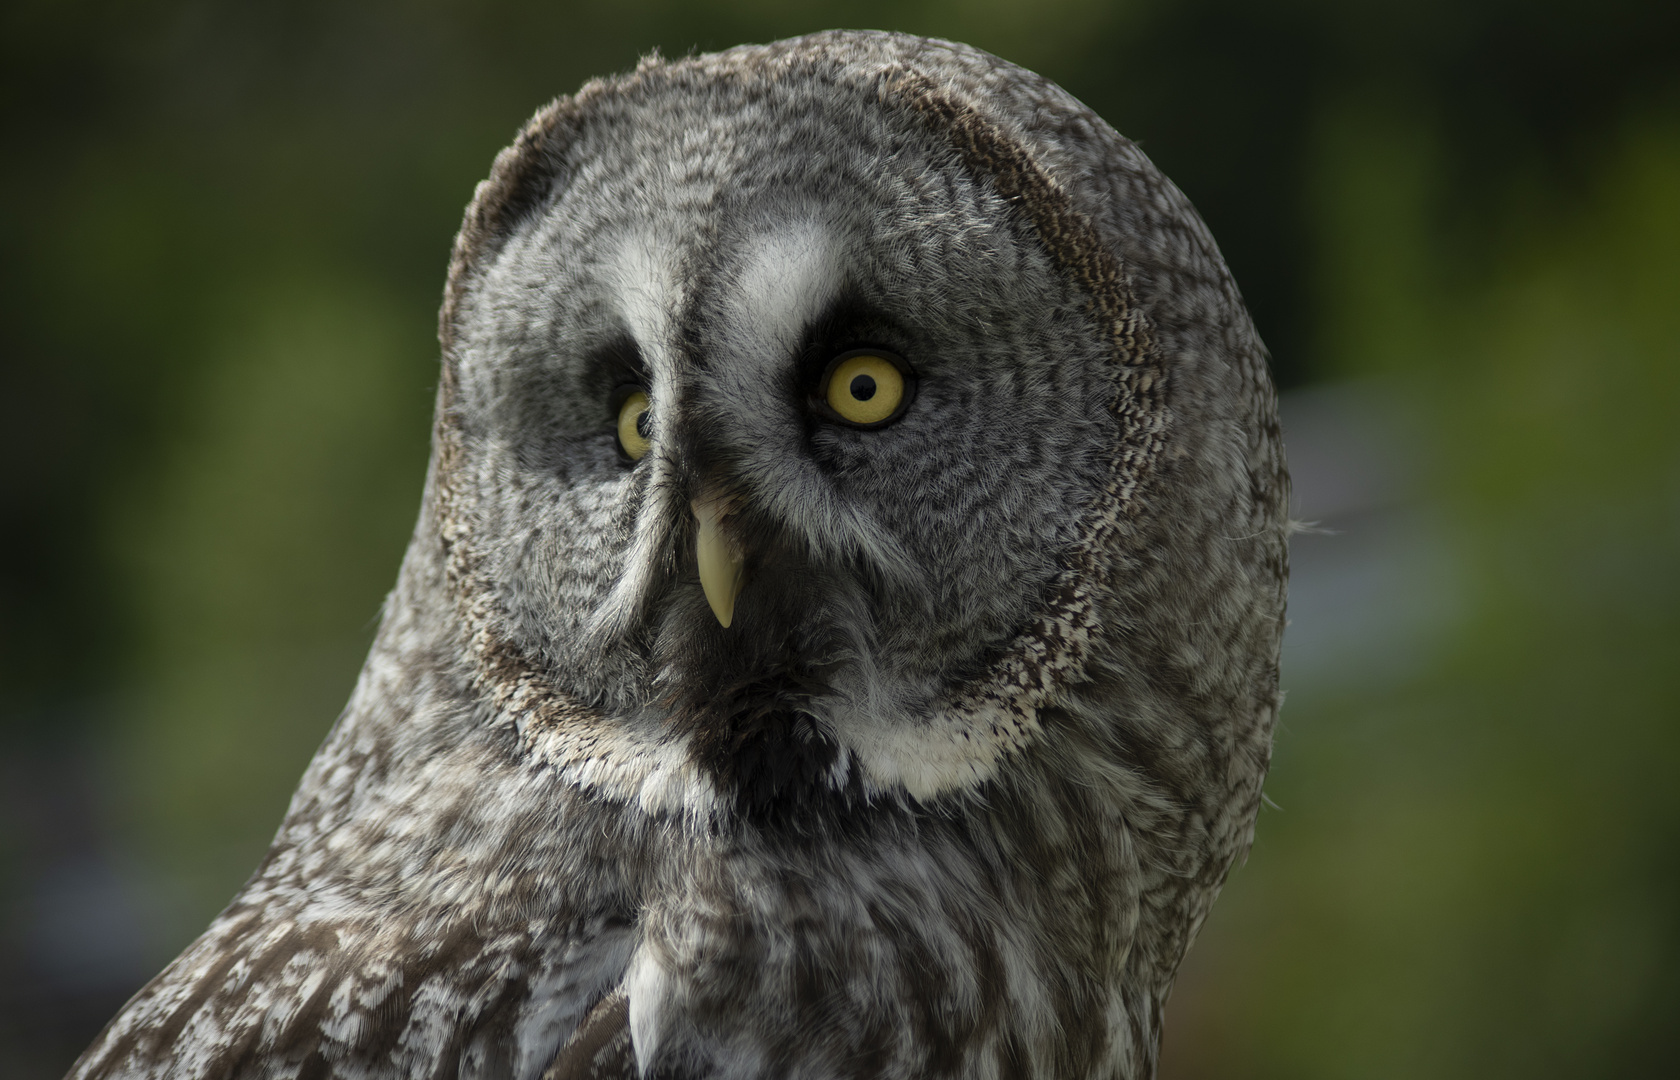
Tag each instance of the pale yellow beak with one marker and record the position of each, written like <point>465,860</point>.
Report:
<point>718,559</point>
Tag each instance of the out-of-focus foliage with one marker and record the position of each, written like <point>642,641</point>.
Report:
<point>225,228</point>
<point>1476,872</point>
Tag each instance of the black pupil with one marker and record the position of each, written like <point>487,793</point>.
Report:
<point>642,424</point>
<point>863,387</point>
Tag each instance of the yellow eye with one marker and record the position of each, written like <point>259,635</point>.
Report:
<point>864,388</point>
<point>633,430</point>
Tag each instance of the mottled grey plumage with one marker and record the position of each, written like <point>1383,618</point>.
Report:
<point>955,790</point>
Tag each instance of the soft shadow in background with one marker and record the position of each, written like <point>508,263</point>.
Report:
<point>225,227</point>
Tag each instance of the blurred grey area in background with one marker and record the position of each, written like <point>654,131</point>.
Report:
<point>1373,586</point>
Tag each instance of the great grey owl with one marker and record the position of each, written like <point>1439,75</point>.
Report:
<point>840,637</point>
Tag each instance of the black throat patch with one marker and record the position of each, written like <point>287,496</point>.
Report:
<point>760,738</point>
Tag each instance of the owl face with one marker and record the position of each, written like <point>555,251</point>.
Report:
<point>780,423</point>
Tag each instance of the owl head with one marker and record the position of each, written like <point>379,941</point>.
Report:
<point>818,418</point>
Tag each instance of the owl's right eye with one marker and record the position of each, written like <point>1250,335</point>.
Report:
<point>634,430</point>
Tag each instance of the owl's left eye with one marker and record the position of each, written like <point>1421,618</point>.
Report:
<point>866,388</point>
<point>635,433</point>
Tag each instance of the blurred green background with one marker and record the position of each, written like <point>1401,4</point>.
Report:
<point>225,227</point>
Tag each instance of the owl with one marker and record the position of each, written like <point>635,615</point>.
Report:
<point>840,636</point>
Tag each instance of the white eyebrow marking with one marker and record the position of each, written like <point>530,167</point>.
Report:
<point>788,278</point>
<point>642,271</point>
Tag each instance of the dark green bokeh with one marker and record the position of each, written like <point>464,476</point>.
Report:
<point>225,228</point>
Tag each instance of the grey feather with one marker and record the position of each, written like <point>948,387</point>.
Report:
<point>955,790</point>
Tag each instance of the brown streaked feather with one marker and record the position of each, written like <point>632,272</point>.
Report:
<point>600,1048</point>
